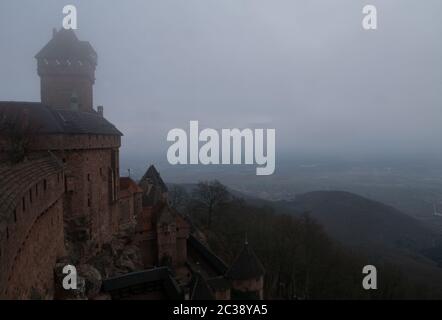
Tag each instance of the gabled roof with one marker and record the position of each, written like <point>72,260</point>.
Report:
<point>246,265</point>
<point>153,177</point>
<point>65,45</point>
<point>205,256</point>
<point>127,183</point>
<point>49,120</point>
<point>153,187</point>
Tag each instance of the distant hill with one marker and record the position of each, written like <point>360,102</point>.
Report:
<point>190,187</point>
<point>355,220</point>
<point>381,234</point>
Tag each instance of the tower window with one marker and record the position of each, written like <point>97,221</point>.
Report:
<point>30,195</point>
<point>15,215</point>
<point>45,184</point>
<point>23,203</point>
<point>88,177</point>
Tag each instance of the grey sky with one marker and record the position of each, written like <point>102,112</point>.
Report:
<point>305,68</point>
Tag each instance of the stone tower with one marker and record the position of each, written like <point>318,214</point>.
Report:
<point>66,67</point>
<point>85,142</point>
<point>246,275</point>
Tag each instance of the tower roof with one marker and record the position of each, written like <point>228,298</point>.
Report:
<point>153,187</point>
<point>48,120</point>
<point>246,265</point>
<point>127,184</point>
<point>153,177</point>
<point>65,45</point>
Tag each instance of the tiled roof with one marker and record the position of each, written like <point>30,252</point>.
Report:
<point>246,265</point>
<point>127,183</point>
<point>49,120</point>
<point>65,45</point>
<point>17,179</point>
<point>212,260</point>
<point>162,275</point>
<point>153,187</point>
<point>152,176</point>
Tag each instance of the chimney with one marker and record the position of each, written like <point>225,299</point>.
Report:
<point>100,110</point>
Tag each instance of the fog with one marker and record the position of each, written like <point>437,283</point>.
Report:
<point>305,68</point>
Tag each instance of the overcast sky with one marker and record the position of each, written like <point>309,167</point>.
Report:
<point>306,68</point>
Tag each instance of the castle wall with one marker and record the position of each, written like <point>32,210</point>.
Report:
<point>167,244</point>
<point>34,240</point>
<point>92,180</point>
<point>57,91</point>
<point>126,210</point>
<point>92,191</point>
<point>222,294</point>
<point>250,285</point>
<point>61,77</point>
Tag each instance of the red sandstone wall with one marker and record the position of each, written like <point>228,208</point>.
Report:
<point>156,241</point>
<point>126,210</point>
<point>33,242</point>
<point>92,190</point>
<point>57,91</point>
<point>33,273</point>
<point>222,295</point>
<point>59,78</point>
<point>250,285</point>
<point>166,241</point>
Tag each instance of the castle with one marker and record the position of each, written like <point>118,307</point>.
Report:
<point>62,199</point>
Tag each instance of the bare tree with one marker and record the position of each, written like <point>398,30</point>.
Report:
<point>178,196</point>
<point>210,195</point>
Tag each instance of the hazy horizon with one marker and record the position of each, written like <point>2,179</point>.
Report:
<point>307,69</point>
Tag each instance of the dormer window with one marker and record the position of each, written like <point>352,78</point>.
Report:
<point>80,63</point>
<point>57,62</point>
<point>46,61</point>
<point>68,62</point>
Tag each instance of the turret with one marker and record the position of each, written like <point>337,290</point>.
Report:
<point>66,67</point>
<point>247,275</point>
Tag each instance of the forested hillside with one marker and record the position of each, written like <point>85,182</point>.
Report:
<point>302,261</point>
